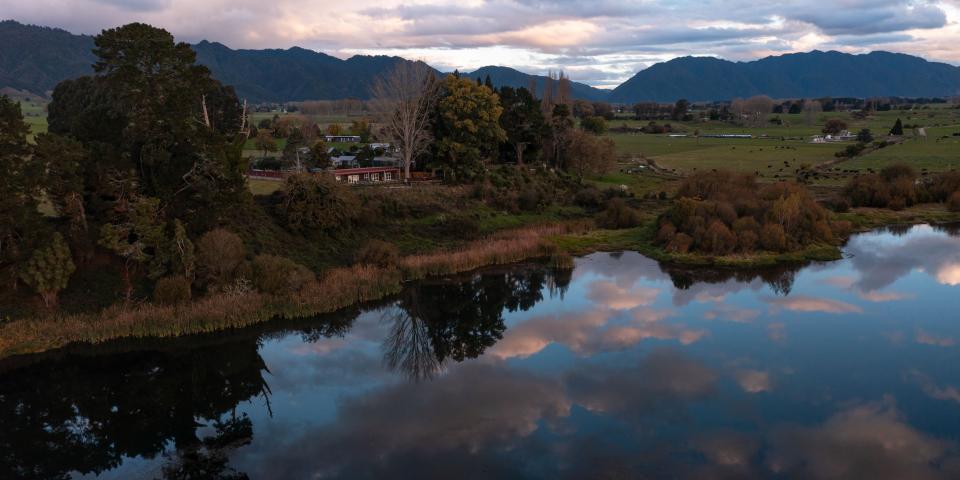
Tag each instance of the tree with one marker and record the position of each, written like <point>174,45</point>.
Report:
<point>467,127</point>
<point>265,143</point>
<point>220,253</point>
<point>864,136</point>
<point>834,126</point>
<point>897,129</point>
<point>139,237</point>
<point>320,155</point>
<point>291,151</point>
<point>523,123</point>
<point>583,109</point>
<point>404,100</point>
<point>150,110</point>
<point>561,124</point>
<point>680,110</point>
<point>756,109</point>
<point>362,129</point>
<point>589,154</point>
<point>811,110</point>
<point>595,125</point>
<point>49,269</point>
<point>317,203</point>
<point>20,224</point>
<point>63,159</point>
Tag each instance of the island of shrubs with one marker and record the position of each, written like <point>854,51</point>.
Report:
<point>898,186</point>
<point>725,213</point>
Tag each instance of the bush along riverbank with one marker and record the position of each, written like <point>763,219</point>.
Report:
<point>239,304</point>
<point>381,272</point>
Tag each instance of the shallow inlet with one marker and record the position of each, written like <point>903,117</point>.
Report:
<point>620,368</point>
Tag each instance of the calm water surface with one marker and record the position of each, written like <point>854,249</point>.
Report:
<point>621,369</point>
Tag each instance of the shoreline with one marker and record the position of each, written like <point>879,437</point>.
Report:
<point>344,287</point>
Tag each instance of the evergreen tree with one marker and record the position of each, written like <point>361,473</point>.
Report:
<point>897,129</point>
<point>523,123</point>
<point>49,269</point>
<point>21,226</point>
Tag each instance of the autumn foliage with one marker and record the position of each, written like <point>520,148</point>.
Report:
<point>724,213</point>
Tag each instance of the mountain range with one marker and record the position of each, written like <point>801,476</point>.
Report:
<point>35,59</point>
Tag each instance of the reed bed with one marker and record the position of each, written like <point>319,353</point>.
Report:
<point>498,249</point>
<point>335,289</point>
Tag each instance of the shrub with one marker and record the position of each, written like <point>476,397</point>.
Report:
<point>379,253</point>
<point>589,197</point>
<point>898,170</point>
<point>219,254</point>
<point>276,275</point>
<point>841,205</point>
<point>747,231</point>
<point>462,226</point>
<point>719,239</point>
<point>619,215</point>
<point>680,243</point>
<point>773,238</point>
<point>530,200</point>
<point>316,203</point>
<point>953,203</point>
<point>666,232</point>
<point>172,290</point>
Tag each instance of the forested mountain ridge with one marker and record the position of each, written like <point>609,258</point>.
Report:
<point>795,75</point>
<point>35,59</point>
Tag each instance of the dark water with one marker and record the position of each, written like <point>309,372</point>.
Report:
<point>621,369</point>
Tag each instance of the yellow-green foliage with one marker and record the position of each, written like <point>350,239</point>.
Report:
<point>48,270</point>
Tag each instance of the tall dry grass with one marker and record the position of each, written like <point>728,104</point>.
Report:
<point>335,289</point>
<point>498,249</point>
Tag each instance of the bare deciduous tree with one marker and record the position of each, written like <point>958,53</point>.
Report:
<point>403,100</point>
<point>811,109</point>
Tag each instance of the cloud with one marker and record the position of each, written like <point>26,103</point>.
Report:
<point>869,441</point>
<point>933,390</point>
<point>611,295</point>
<point>804,303</point>
<point>591,332</point>
<point>457,423</point>
<point>881,261</point>
<point>661,380</point>
<point>925,338</point>
<point>754,381</point>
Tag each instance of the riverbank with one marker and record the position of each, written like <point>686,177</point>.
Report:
<point>335,289</point>
<point>341,287</point>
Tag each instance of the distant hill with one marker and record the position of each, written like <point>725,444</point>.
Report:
<point>293,74</point>
<point>501,76</point>
<point>36,58</point>
<point>796,75</point>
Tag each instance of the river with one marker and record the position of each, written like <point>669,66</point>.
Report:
<point>621,368</point>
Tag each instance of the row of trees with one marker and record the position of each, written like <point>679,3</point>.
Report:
<point>898,186</point>
<point>462,125</point>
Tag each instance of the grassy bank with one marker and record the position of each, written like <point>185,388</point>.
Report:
<point>340,287</point>
<point>641,239</point>
<point>337,288</point>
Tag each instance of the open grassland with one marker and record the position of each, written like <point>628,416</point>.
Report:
<point>776,150</point>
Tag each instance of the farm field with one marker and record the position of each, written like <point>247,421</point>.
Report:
<point>776,151</point>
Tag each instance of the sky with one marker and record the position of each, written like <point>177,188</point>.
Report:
<point>598,42</point>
